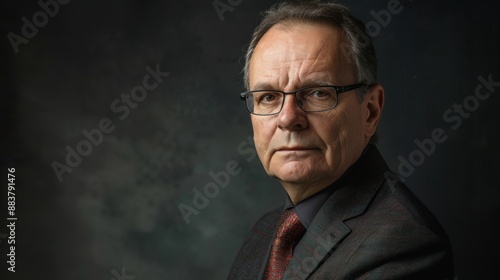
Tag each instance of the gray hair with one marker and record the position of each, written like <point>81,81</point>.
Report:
<point>359,48</point>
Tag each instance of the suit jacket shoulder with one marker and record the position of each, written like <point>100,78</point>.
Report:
<point>371,227</point>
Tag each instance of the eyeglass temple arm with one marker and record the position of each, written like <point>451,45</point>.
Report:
<point>348,88</point>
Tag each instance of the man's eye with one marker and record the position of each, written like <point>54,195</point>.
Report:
<point>318,93</point>
<point>268,97</point>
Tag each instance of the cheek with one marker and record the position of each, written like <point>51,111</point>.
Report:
<point>350,136</point>
<point>339,135</point>
<point>333,128</point>
<point>262,133</point>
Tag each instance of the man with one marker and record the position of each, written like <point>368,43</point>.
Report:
<point>315,105</point>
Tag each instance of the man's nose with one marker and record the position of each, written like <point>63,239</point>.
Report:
<point>291,116</point>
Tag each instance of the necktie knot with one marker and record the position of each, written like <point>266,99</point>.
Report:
<point>290,227</point>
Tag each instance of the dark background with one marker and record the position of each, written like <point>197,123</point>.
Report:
<point>119,208</point>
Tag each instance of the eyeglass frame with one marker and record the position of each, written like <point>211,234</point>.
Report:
<point>338,90</point>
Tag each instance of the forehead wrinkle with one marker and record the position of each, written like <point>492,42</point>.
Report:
<point>318,54</point>
<point>283,79</point>
<point>326,54</point>
<point>288,73</point>
<point>313,76</point>
<point>301,67</point>
<point>323,63</point>
<point>332,66</point>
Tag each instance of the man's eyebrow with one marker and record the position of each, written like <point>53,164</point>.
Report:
<point>317,83</point>
<point>266,86</point>
<point>262,86</point>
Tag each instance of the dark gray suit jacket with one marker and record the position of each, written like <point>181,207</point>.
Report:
<point>371,227</point>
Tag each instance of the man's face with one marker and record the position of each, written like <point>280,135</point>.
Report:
<point>307,150</point>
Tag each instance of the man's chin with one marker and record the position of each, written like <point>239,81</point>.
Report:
<point>295,175</point>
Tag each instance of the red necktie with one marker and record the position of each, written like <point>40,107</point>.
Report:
<point>289,229</point>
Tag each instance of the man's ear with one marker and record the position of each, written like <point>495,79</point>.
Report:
<point>373,104</point>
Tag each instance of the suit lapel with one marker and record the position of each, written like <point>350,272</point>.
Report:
<point>252,257</point>
<point>316,244</point>
<point>352,197</point>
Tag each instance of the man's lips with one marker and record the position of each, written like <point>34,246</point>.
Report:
<point>285,149</point>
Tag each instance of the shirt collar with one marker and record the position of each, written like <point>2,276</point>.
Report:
<point>307,209</point>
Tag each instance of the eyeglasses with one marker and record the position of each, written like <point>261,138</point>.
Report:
<point>310,99</point>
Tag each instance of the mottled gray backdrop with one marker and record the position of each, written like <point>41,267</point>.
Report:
<point>116,214</point>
